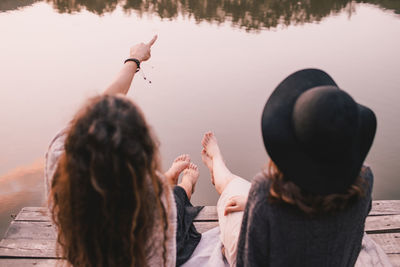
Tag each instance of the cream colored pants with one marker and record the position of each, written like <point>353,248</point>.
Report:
<point>231,223</point>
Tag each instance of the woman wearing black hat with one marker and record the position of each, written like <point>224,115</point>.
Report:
<point>309,207</point>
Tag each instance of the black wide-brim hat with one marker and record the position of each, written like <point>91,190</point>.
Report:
<point>315,133</point>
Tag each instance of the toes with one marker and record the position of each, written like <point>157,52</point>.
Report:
<point>204,141</point>
<point>183,157</point>
<point>206,138</point>
<point>193,166</point>
<point>191,169</point>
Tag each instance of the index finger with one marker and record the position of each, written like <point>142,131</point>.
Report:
<point>152,41</point>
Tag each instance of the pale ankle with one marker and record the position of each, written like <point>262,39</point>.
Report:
<point>218,156</point>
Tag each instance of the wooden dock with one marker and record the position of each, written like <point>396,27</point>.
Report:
<point>31,238</point>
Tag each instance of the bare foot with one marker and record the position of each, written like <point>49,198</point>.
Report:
<point>210,145</point>
<point>189,179</point>
<point>179,164</point>
<point>207,160</point>
<point>221,175</point>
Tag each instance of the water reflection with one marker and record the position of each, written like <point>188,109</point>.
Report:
<point>8,5</point>
<point>61,67</point>
<point>247,14</point>
<point>19,187</point>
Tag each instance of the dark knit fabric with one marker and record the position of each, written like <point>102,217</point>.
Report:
<point>282,235</point>
<point>187,237</point>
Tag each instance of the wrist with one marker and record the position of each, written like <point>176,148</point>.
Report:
<point>133,61</point>
<point>135,55</point>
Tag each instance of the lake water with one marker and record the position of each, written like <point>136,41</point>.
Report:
<point>213,67</point>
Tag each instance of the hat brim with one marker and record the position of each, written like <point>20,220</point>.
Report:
<point>280,141</point>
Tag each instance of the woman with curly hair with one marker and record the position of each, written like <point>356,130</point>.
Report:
<point>309,207</point>
<point>110,202</point>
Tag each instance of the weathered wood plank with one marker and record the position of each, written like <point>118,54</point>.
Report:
<point>374,224</point>
<point>33,235</point>
<point>31,230</point>
<point>208,213</point>
<point>40,214</point>
<point>44,209</point>
<point>38,239</point>
<point>38,248</point>
<point>390,243</point>
<point>32,262</point>
<point>394,259</point>
<point>33,214</point>
<point>204,226</point>
<point>382,224</point>
<point>385,207</point>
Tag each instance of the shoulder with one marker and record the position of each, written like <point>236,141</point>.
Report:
<point>56,148</point>
<point>53,154</point>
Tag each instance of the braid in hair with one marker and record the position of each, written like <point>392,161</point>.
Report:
<point>284,191</point>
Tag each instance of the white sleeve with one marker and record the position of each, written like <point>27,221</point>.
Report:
<point>56,149</point>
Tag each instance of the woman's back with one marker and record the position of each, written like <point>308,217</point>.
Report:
<point>280,234</point>
<point>110,204</point>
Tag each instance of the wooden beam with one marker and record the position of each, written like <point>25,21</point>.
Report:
<point>394,259</point>
<point>204,226</point>
<point>385,207</point>
<point>382,224</point>
<point>31,230</point>
<point>37,248</point>
<point>390,243</point>
<point>33,214</point>
<point>30,239</point>
<point>31,262</point>
<point>209,213</point>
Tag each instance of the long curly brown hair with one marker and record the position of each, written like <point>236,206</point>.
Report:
<point>106,192</point>
<point>282,190</point>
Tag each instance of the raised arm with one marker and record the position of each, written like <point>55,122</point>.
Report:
<point>122,82</point>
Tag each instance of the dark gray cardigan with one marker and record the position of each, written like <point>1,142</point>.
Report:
<point>282,235</point>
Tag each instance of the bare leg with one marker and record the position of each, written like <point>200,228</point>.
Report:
<point>179,164</point>
<point>221,175</point>
<point>209,163</point>
<point>189,179</point>
<point>227,185</point>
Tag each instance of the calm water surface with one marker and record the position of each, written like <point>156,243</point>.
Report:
<point>213,67</point>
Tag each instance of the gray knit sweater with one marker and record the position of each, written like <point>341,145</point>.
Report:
<point>281,235</point>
